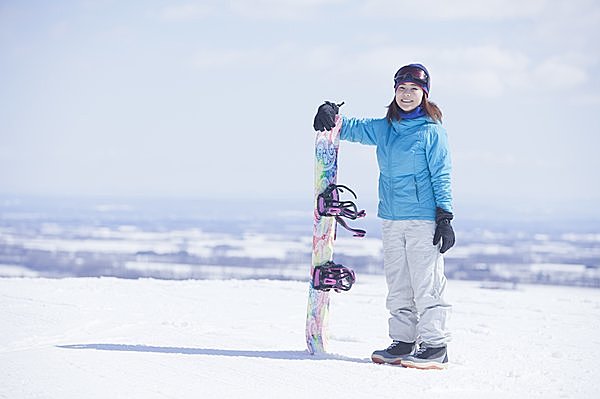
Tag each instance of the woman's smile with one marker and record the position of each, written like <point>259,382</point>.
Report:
<point>408,96</point>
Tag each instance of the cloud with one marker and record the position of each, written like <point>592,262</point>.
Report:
<point>556,74</point>
<point>288,56</point>
<point>574,24</point>
<point>189,11</point>
<point>490,67</point>
<point>487,71</point>
<point>220,58</point>
<point>456,9</point>
<point>279,9</point>
<point>493,71</point>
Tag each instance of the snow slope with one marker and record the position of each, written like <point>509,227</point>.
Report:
<point>112,338</point>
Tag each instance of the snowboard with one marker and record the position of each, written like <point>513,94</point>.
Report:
<point>324,229</point>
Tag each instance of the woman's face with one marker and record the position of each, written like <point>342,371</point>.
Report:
<point>408,96</point>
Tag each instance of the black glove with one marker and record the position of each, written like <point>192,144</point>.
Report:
<point>443,229</point>
<point>325,117</point>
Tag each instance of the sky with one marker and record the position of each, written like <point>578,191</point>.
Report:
<point>215,99</point>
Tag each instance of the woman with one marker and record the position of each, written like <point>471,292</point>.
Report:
<point>415,204</point>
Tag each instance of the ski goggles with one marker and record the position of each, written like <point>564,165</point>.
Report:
<point>412,74</point>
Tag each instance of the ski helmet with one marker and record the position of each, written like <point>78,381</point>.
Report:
<point>414,73</point>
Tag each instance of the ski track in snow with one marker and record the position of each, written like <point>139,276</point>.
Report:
<point>113,338</point>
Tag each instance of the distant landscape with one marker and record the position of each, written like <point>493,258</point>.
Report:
<point>266,240</point>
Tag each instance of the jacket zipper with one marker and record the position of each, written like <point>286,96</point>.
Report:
<point>391,178</point>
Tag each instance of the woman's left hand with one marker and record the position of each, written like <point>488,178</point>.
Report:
<point>443,230</point>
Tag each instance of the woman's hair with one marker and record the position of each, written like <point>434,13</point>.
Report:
<point>432,110</point>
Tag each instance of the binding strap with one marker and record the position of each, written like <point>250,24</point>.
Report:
<point>329,204</point>
<point>355,232</point>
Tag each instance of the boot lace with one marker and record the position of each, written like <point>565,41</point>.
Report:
<point>420,351</point>
<point>394,344</point>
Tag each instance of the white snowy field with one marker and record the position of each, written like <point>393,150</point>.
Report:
<point>112,338</point>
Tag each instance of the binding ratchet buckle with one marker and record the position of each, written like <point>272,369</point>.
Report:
<point>332,276</point>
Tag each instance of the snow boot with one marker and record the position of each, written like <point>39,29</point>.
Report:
<point>394,354</point>
<point>427,357</point>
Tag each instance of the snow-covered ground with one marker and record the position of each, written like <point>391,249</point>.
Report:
<point>114,338</point>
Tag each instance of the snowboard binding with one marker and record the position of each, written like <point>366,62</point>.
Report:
<point>332,276</point>
<point>329,204</point>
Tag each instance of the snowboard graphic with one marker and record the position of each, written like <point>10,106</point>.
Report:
<point>324,228</point>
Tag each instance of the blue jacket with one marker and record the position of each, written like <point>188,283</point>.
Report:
<point>414,164</point>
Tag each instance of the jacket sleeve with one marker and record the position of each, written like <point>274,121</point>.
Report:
<point>359,130</point>
<point>438,159</point>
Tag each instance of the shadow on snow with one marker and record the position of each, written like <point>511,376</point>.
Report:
<point>280,355</point>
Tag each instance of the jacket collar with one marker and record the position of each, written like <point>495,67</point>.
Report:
<point>404,126</point>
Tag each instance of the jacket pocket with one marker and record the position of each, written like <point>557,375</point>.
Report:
<point>416,188</point>
<point>405,191</point>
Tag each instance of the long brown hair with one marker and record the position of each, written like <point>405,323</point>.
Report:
<point>430,108</point>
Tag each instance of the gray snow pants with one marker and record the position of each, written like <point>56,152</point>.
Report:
<point>414,271</point>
